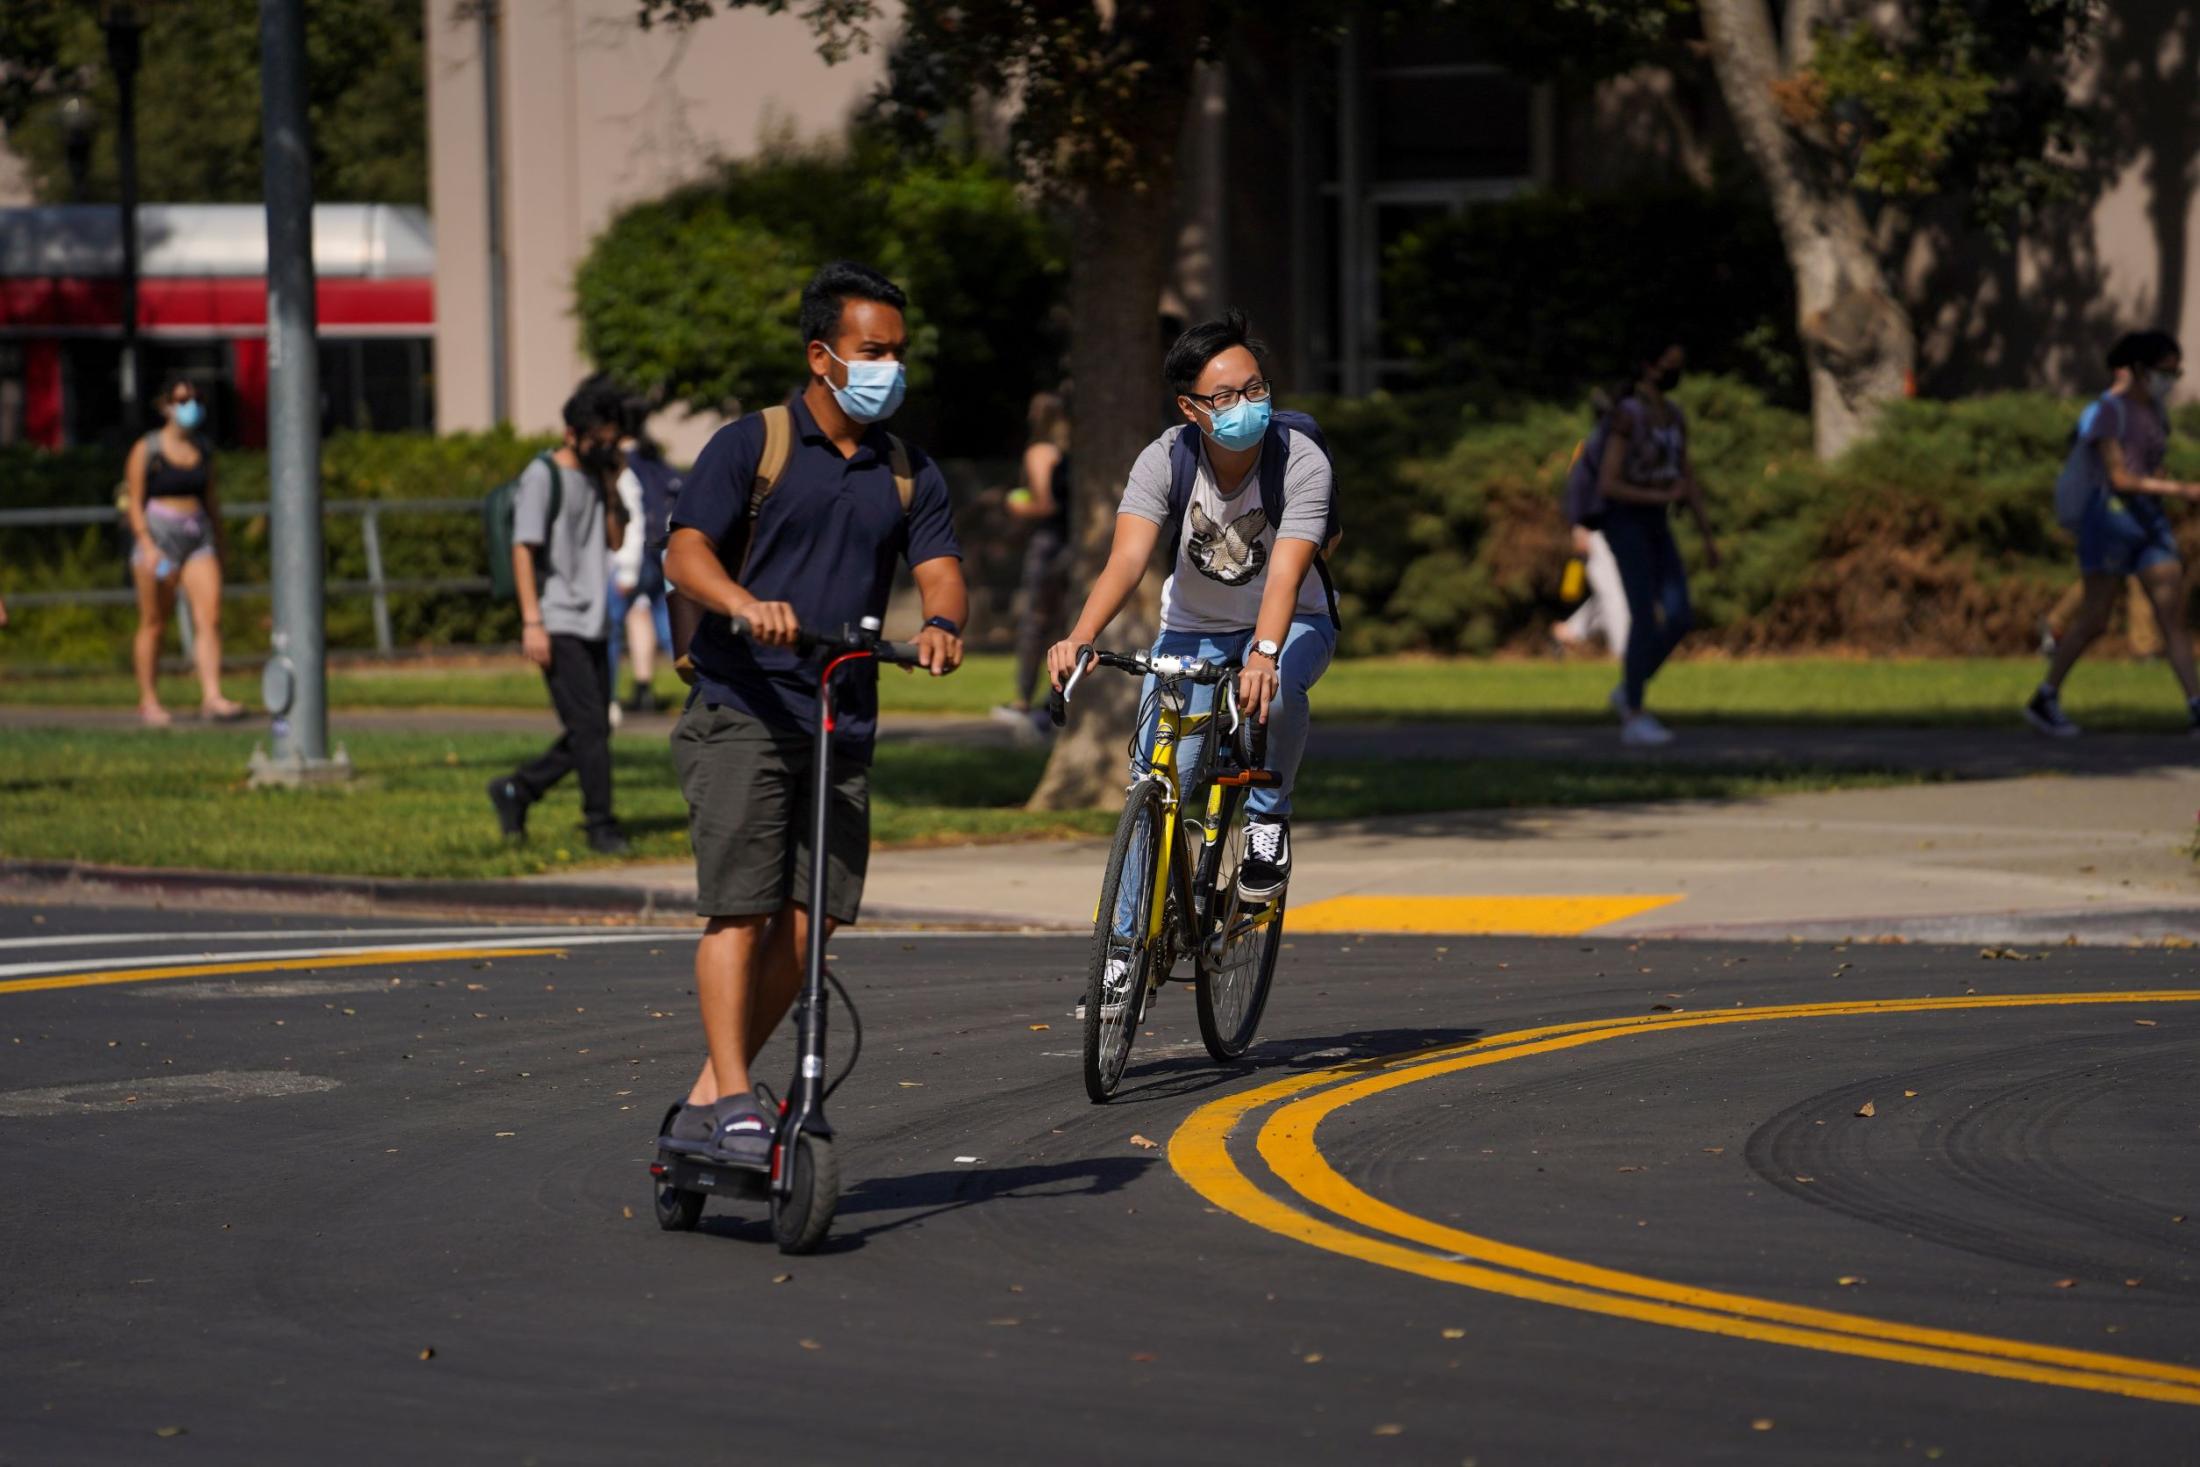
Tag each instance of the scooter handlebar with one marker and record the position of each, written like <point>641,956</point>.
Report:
<point>809,639</point>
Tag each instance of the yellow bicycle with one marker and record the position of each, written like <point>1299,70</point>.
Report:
<point>1171,885</point>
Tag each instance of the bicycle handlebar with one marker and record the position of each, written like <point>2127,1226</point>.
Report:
<point>1210,671</point>
<point>846,639</point>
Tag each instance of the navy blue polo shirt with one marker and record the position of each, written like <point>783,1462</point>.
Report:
<point>826,543</point>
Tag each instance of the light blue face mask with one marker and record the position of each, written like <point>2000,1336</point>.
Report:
<point>189,414</point>
<point>874,390</point>
<point>1241,424</point>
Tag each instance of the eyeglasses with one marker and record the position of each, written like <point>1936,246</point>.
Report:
<point>1223,399</point>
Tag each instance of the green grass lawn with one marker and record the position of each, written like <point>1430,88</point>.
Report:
<point>418,807</point>
<point>1944,692</point>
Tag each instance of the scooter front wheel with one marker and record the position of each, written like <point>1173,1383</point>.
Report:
<point>801,1219</point>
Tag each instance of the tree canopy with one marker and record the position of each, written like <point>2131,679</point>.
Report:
<point>198,91</point>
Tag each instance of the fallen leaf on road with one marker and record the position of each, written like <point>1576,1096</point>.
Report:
<point>782,1278</point>
<point>1142,1357</point>
<point>1390,1428</point>
<point>1313,1359</point>
<point>1455,1334</point>
<point>1714,1151</point>
<point>1762,1423</point>
<point>168,1431</point>
<point>1143,1144</point>
<point>811,1345</point>
<point>2144,1023</point>
<point>911,1084</point>
<point>427,1352</point>
<point>1849,1280</point>
<point>1005,1321</point>
<point>1867,1110</point>
<point>1806,1180</point>
<point>626,1212</point>
<point>1040,1028</point>
<point>1909,1094</point>
<point>507,1133</point>
<point>2066,1283</point>
<point>1630,1168</point>
<point>2131,1283</point>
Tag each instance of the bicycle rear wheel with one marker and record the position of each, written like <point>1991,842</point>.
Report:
<point>1236,961</point>
<point>1122,946</point>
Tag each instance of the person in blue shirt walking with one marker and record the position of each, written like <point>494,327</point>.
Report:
<point>2125,530</point>
<point>847,504</point>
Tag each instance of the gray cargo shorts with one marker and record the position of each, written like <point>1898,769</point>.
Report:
<point>748,793</point>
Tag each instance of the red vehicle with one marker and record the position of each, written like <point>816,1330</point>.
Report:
<point>202,311</point>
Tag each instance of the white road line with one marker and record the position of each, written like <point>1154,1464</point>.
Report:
<point>211,955</point>
<point>365,934</point>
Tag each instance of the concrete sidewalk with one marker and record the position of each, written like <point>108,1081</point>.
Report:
<point>2100,858</point>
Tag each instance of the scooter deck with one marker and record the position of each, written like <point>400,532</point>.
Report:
<point>708,1175</point>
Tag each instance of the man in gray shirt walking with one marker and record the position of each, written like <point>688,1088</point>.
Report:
<point>566,521</point>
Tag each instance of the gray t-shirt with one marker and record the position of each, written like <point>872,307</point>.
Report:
<point>1221,565</point>
<point>576,575</point>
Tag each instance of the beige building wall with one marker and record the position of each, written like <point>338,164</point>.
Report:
<point>597,114</point>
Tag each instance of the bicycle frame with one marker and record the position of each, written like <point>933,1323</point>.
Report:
<point>1191,870</point>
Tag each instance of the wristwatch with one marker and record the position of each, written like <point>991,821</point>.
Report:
<point>1266,648</point>
<point>944,625</point>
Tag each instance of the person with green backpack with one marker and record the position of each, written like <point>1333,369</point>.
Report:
<point>565,520</point>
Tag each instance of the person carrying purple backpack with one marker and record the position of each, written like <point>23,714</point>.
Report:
<point>1631,473</point>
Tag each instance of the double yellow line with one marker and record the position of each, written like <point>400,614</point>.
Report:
<point>1386,1235</point>
<point>354,958</point>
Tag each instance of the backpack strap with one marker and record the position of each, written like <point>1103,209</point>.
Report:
<point>770,464</point>
<point>1275,458</point>
<point>905,477</point>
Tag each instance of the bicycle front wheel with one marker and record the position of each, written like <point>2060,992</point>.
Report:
<point>1237,954</point>
<point>1122,941</point>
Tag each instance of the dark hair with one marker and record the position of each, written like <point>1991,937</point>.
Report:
<point>1624,386</point>
<point>1201,344</point>
<point>2142,349</point>
<point>173,381</point>
<point>595,402</point>
<point>833,286</point>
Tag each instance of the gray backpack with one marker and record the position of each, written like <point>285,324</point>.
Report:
<point>2084,474</point>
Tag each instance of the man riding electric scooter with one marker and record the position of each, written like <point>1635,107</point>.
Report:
<point>791,523</point>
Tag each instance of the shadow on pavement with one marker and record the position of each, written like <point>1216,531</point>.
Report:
<point>926,1195</point>
<point>1180,1075</point>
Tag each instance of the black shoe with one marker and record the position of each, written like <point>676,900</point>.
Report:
<point>1266,869</point>
<point>511,807</point>
<point>741,1132</point>
<point>644,700</point>
<point>609,841</point>
<point>2045,713</point>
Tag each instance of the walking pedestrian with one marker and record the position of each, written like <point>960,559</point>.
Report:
<point>565,519</point>
<point>1042,502</point>
<point>2113,477</point>
<point>639,620</point>
<point>176,525</point>
<point>1642,472</point>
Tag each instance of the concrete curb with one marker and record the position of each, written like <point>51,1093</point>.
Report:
<point>579,901</point>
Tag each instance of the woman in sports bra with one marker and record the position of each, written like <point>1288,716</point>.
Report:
<point>176,522</point>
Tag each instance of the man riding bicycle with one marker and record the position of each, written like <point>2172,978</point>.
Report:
<point>1238,586</point>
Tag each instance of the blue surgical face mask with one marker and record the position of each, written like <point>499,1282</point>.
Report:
<point>189,414</point>
<point>874,389</point>
<point>1241,424</point>
<point>2161,384</point>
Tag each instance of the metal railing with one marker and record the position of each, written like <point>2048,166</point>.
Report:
<point>378,585</point>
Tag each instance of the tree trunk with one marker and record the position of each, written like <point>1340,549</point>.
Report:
<point>1119,259</point>
<point>1857,338</point>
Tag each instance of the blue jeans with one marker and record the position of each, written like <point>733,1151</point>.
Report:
<point>1306,654</point>
<point>619,605</point>
<point>2120,538</point>
<point>1656,582</point>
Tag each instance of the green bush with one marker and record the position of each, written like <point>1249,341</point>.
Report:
<point>1936,536</point>
<point>696,293</point>
<point>353,466</point>
<point>1546,295</point>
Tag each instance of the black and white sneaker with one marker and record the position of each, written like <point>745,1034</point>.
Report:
<point>742,1133</point>
<point>2045,713</point>
<point>1266,869</point>
<point>511,807</point>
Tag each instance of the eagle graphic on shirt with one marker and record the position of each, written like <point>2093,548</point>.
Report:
<point>1232,553</point>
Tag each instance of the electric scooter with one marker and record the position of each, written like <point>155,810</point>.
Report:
<point>801,1181</point>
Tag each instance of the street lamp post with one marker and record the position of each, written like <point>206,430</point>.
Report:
<point>119,19</point>
<point>294,683</point>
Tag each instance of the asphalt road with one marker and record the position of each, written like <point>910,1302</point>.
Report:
<point>240,1208</point>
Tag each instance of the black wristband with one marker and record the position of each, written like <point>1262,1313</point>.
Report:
<point>944,625</point>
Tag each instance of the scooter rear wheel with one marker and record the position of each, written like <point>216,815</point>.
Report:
<point>802,1218</point>
<point>678,1211</point>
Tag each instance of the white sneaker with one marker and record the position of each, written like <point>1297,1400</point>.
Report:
<point>1643,731</point>
<point>1116,986</point>
<point>618,714</point>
